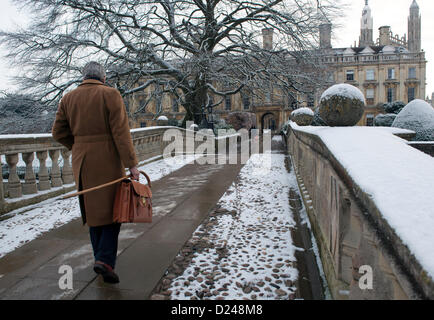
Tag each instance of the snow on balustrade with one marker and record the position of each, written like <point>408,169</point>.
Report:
<point>35,167</point>
<point>397,177</point>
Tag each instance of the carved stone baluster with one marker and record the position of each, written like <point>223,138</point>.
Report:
<point>29,186</point>
<point>44,177</point>
<point>67,175</point>
<point>14,183</point>
<point>56,180</point>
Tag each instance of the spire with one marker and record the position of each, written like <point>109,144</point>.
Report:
<point>414,28</point>
<point>367,27</point>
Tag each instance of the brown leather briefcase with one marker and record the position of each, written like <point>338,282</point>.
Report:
<point>133,202</point>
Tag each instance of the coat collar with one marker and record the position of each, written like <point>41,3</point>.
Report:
<point>91,81</point>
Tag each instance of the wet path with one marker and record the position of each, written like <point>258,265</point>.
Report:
<point>181,201</point>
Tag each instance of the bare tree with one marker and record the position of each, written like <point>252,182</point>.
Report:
<point>188,48</point>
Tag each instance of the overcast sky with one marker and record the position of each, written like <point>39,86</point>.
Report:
<point>385,12</point>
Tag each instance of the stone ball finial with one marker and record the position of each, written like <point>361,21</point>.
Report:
<point>302,116</point>
<point>162,121</point>
<point>342,105</point>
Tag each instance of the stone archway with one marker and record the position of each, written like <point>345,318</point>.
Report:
<point>269,121</point>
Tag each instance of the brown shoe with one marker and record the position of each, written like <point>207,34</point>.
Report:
<point>106,271</point>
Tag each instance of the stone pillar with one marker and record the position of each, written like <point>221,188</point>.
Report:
<point>14,183</point>
<point>67,175</point>
<point>29,186</point>
<point>56,180</point>
<point>44,177</point>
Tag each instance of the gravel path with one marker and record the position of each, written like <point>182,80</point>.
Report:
<point>243,249</point>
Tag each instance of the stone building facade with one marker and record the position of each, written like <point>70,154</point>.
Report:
<point>392,68</point>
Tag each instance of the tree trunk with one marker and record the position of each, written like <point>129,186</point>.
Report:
<point>195,100</point>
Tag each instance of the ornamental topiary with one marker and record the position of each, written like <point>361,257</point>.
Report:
<point>417,116</point>
<point>384,120</point>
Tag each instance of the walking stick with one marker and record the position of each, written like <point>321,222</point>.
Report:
<point>94,188</point>
<point>105,185</point>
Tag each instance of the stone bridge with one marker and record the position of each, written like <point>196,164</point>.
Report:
<point>201,243</point>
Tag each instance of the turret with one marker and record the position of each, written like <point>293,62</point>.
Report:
<point>367,27</point>
<point>414,28</point>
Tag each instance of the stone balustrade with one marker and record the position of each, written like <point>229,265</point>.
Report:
<point>38,181</point>
<point>36,168</point>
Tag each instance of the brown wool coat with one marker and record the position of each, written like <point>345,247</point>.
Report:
<point>92,122</point>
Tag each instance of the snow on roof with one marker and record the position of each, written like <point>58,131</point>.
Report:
<point>396,176</point>
<point>367,50</point>
<point>388,49</point>
<point>348,52</point>
<point>343,90</point>
<point>303,111</point>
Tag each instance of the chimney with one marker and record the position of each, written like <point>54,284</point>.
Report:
<point>325,36</point>
<point>385,36</point>
<point>267,38</point>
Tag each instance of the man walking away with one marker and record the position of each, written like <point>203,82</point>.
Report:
<point>92,122</point>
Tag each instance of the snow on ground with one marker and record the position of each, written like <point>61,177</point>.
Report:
<point>260,259</point>
<point>25,226</point>
<point>399,178</point>
<point>277,138</point>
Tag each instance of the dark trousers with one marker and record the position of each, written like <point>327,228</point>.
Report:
<point>105,243</point>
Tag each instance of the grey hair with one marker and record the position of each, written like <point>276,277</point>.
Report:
<point>93,70</point>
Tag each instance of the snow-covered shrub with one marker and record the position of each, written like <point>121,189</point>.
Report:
<point>302,116</point>
<point>384,120</point>
<point>417,116</point>
<point>342,105</point>
<point>394,107</point>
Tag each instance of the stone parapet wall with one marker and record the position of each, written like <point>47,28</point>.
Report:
<point>350,230</point>
<point>426,147</point>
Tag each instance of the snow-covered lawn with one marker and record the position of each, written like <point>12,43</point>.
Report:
<point>28,223</point>
<point>259,259</point>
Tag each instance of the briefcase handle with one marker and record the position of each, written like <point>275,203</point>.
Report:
<point>147,178</point>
